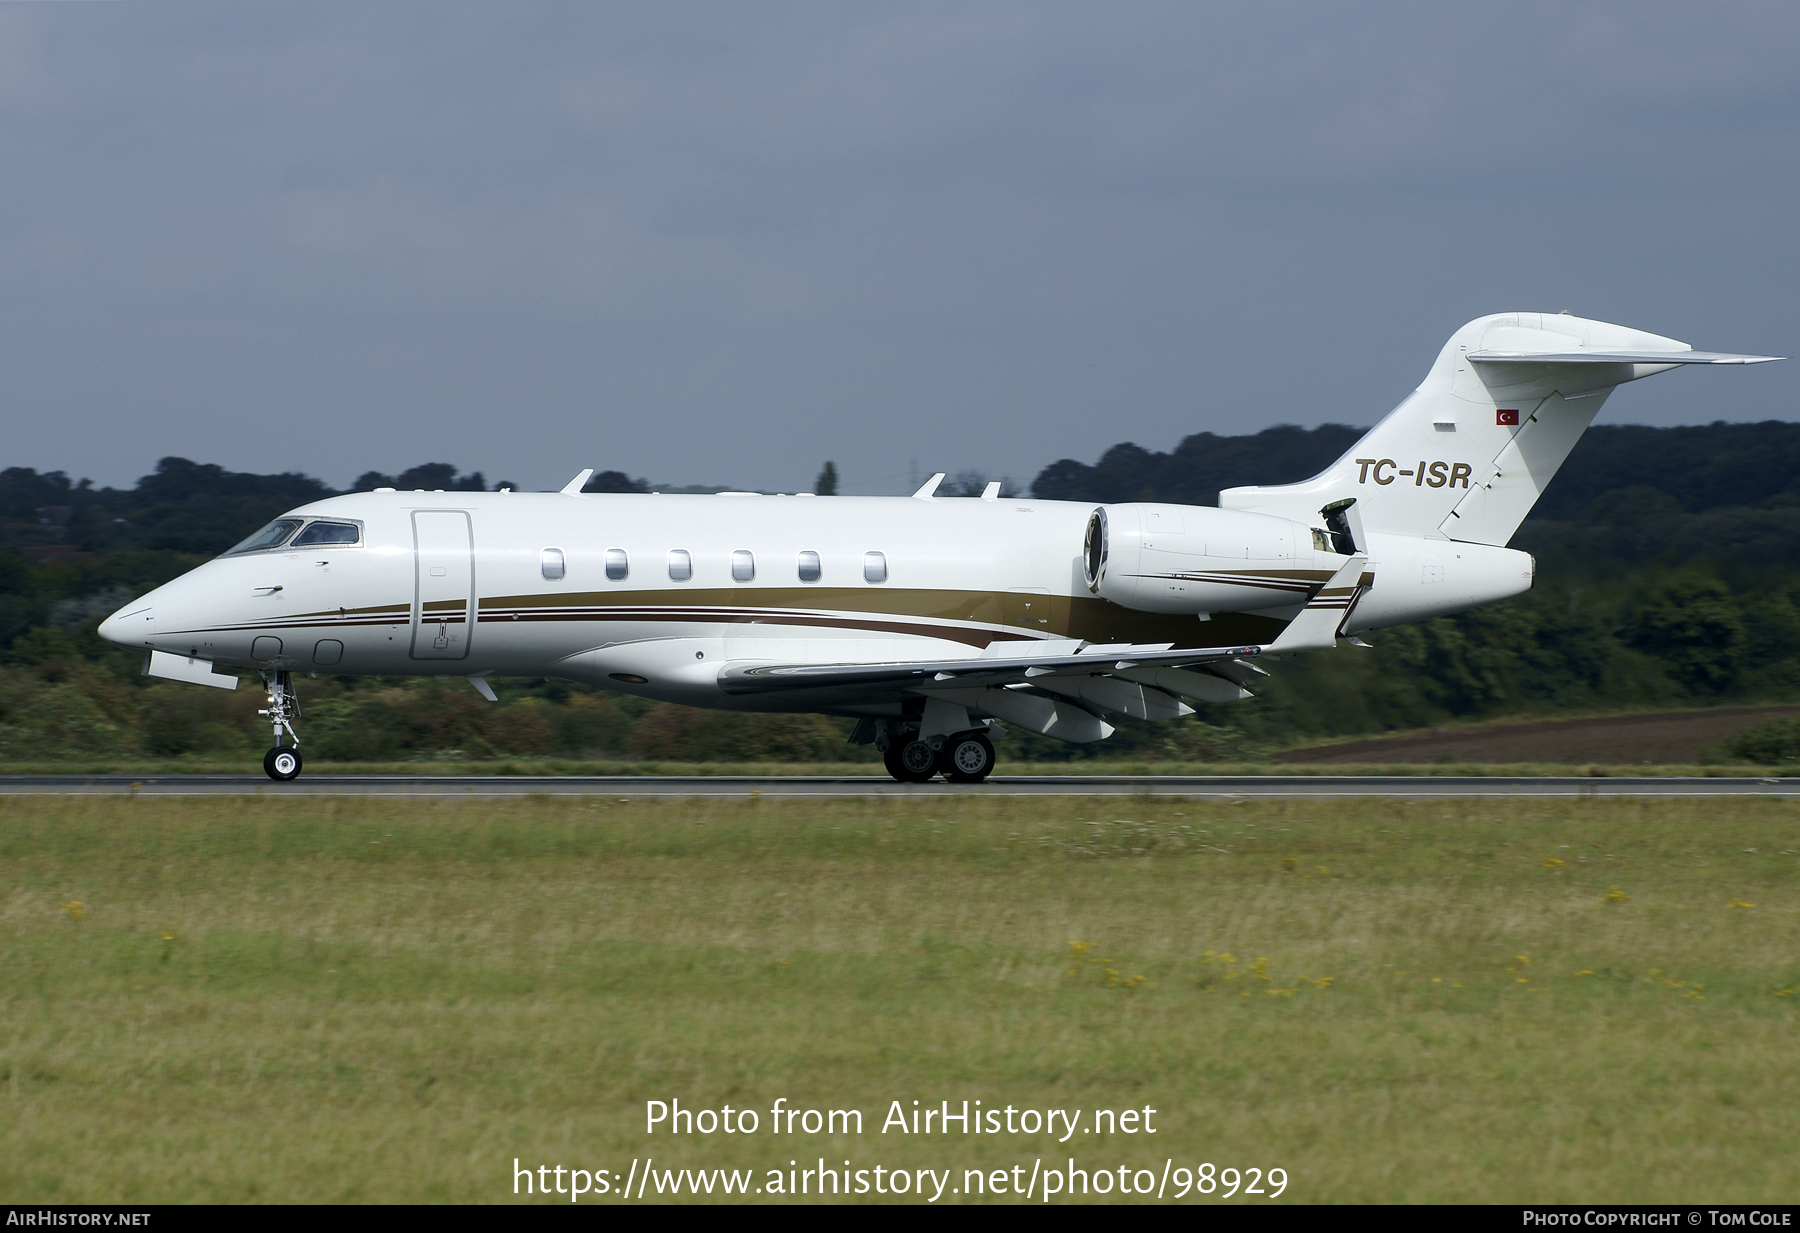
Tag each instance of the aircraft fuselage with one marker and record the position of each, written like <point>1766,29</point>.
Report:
<point>606,588</point>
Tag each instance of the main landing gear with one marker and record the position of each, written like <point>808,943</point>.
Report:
<point>282,762</point>
<point>967,757</point>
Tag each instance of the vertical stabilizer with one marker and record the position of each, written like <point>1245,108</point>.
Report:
<point>1469,453</point>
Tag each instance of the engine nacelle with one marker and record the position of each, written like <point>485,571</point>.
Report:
<point>1194,558</point>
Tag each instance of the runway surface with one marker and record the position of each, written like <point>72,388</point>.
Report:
<point>480,786</point>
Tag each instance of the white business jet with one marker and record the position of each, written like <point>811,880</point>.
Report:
<point>929,619</point>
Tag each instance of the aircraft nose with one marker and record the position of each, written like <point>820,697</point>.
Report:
<point>133,628</point>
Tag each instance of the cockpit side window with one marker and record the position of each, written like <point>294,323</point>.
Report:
<point>272,536</point>
<point>337,534</point>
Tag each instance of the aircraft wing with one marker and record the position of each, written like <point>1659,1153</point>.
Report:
<point>1032,685</point>
<point>1062,687</point>
<point>1141,679</point>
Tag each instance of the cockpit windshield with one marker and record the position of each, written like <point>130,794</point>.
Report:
<point>318,534</point>
<point>272,536</point>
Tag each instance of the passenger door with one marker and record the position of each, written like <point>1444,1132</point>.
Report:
<point>444,584</point>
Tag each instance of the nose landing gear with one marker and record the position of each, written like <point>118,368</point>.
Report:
<point>282,762</point>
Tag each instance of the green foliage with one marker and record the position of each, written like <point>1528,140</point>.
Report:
<point>47,718</point>
<point>615,481</point>
<point>1698,467</point>
<point>172,722</point>
<point>589,725</point>
<point>685,734</point>
<point>1661,582</point>
<point>1688,469</point>
<point>827,483</point>
<point>431,476</point>
<point>1774,743</point>
<point>1195,470</point>
<point>1695,626</point>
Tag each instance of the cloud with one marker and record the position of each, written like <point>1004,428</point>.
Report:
<point>988,234</point>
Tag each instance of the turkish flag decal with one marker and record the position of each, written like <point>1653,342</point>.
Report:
<point>1507,418</point>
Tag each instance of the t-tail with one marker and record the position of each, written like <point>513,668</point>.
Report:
<point>1467,455</point>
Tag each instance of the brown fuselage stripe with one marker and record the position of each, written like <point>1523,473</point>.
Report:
<point>985,616</point>
<point>952,633</point>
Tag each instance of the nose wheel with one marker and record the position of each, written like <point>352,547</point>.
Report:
<point>283,761</point>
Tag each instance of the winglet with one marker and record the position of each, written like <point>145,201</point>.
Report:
<point>929,487</point>
<point>1315,629</point>
<point>574,486</point>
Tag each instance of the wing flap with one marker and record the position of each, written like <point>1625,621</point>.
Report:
<point>1065,720</point>
<point>1111,693</point>
<point>1205,686</point>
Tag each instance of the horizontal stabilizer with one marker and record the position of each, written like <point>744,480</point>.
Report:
<point>1618,357</point>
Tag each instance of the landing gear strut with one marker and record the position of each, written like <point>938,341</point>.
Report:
<point>282,762</point>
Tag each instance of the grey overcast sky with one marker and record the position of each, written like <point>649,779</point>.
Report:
<point>721,243</point>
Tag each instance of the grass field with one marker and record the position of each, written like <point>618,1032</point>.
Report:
<point>333,999</point>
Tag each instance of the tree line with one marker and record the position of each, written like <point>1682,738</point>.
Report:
<point>1668,574</point>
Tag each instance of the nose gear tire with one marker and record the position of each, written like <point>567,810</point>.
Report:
<point>282,763</point>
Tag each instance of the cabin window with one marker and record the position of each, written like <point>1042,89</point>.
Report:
<point>681,565</point>
<point>743,565</point>
<point>617,564</point>
<point>335,534</point>
<point>810,570</point>
<point>874,567</point>
<point>550,563</point>
<point>272,536</point>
